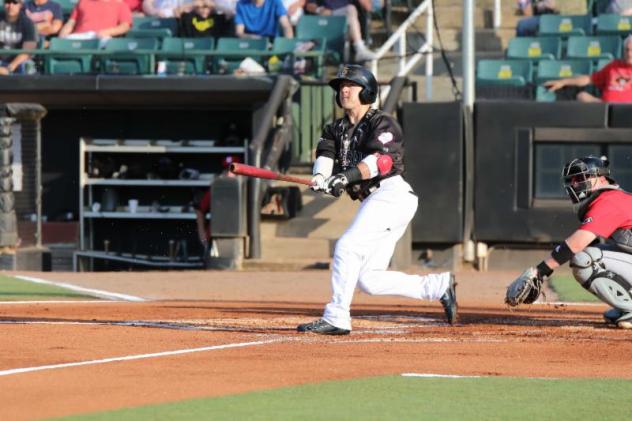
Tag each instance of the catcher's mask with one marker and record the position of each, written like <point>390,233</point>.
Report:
<point>360,76</point>
<point>578,173</point>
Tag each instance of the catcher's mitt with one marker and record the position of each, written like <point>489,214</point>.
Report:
<point>525,289</point>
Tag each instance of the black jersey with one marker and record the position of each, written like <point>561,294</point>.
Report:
<point>347,145</point>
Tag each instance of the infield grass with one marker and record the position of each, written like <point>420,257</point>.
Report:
<point>568,289</point>
<point>397,397</point>
<point>13,289</point>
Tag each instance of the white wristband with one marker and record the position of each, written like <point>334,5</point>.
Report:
<point>324,166</point>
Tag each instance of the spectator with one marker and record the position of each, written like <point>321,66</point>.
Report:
<point>614,80</point>
<point>101,19</point>
<point>46,15</point>
<point>135,6</point>
<point>620,7</point>
<point>261,18</point>
<point>294,10</point>
<point>348,9</point>
<point>528,26</point>
<point>166,8</point>
<point>202,21</point>
<point>16,31</point>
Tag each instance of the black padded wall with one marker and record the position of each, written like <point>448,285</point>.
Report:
<point>434,168</point>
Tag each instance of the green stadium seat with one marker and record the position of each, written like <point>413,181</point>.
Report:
<point>158,33</point>
<point>240,48</point>
<point>542,94</point>
<point>565,25</point>
<point>535,48</point>
<point>284,47</point>
<point>185,56</point>
<point>332,28</point>
<point>67,6</point>
<point>504,72</point>
<point>148,22</point>
<point>560,69</point>
<point>601,64</point>
<point>614,25</point>
<point>129,56</point>
<point>594,47</point>
<point>71,56</point>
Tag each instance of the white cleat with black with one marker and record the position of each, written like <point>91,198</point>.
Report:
<point>448,301</point>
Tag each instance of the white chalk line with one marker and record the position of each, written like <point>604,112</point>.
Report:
<point>90,291</point>
<point>4,303</point>
<point>457,376</point>
<point>135,357</point>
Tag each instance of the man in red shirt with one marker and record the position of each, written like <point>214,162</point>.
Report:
<point>614,80</point>
<point>98,19</point>
<point>605,211</point>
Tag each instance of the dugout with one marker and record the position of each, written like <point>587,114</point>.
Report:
<point>124,108</point>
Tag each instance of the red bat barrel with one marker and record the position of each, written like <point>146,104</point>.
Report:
<point>250,171</point>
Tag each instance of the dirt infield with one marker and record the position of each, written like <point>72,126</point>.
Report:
<point>222,333</point>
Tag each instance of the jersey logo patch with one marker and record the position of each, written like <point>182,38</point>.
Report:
<point>385,137</point>
<point>587,220</point>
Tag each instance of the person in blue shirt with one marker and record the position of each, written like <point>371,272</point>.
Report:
<point>261,18</point>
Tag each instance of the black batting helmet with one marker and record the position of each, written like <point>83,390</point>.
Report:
<point>578,172</point>
<point>361,76</point>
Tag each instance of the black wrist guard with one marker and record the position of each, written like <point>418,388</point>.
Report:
<point>544,270</point>
<point>352,175</point>
<point>562,253</point>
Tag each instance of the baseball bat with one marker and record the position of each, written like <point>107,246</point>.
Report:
<point>250,171</point>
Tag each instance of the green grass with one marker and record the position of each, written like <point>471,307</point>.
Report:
<point>13,289</point>
<point>568,289</point>
<point>396,397</point>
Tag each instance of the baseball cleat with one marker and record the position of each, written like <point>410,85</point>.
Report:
<point>448,301</point>
<point>625,321</point>
<point>322,327</point>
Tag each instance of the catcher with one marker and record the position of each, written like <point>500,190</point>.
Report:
<point>603,268</point>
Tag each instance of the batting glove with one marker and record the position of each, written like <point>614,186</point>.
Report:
<point>336,184</point>
<point>318,183</point>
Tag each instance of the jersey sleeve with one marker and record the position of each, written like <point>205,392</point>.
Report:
<point>327,144</point>
<point>386,138</point>
<point>602,219</point>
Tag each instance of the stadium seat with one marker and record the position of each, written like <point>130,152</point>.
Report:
<point>565,25</point>
<point>504,72</point>
<point>560,69</point>
<point>240,48</point>
<point>129,56</point>
<point>614,25</point>
<point>70,56</point>
<point>158,33</point>
<point>185,55</point>
<point>284,47</point>
<point>542,94</point>
<point>601,64</point>
<point>147,22</point>
<point>594,47</point>
<point>66,7</point>
<point>332,28</point>
<point>534,48</point>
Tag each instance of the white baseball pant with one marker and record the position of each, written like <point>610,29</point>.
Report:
<point>364,251</point>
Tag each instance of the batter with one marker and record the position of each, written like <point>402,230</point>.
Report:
<point>362,154</point>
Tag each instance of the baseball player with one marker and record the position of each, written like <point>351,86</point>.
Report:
<point>604,269</point>
<point>362,154</point>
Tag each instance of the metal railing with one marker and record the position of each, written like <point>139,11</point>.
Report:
<point>406,62</point>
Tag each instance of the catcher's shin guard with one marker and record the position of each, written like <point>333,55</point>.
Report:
<point>589,270</point>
